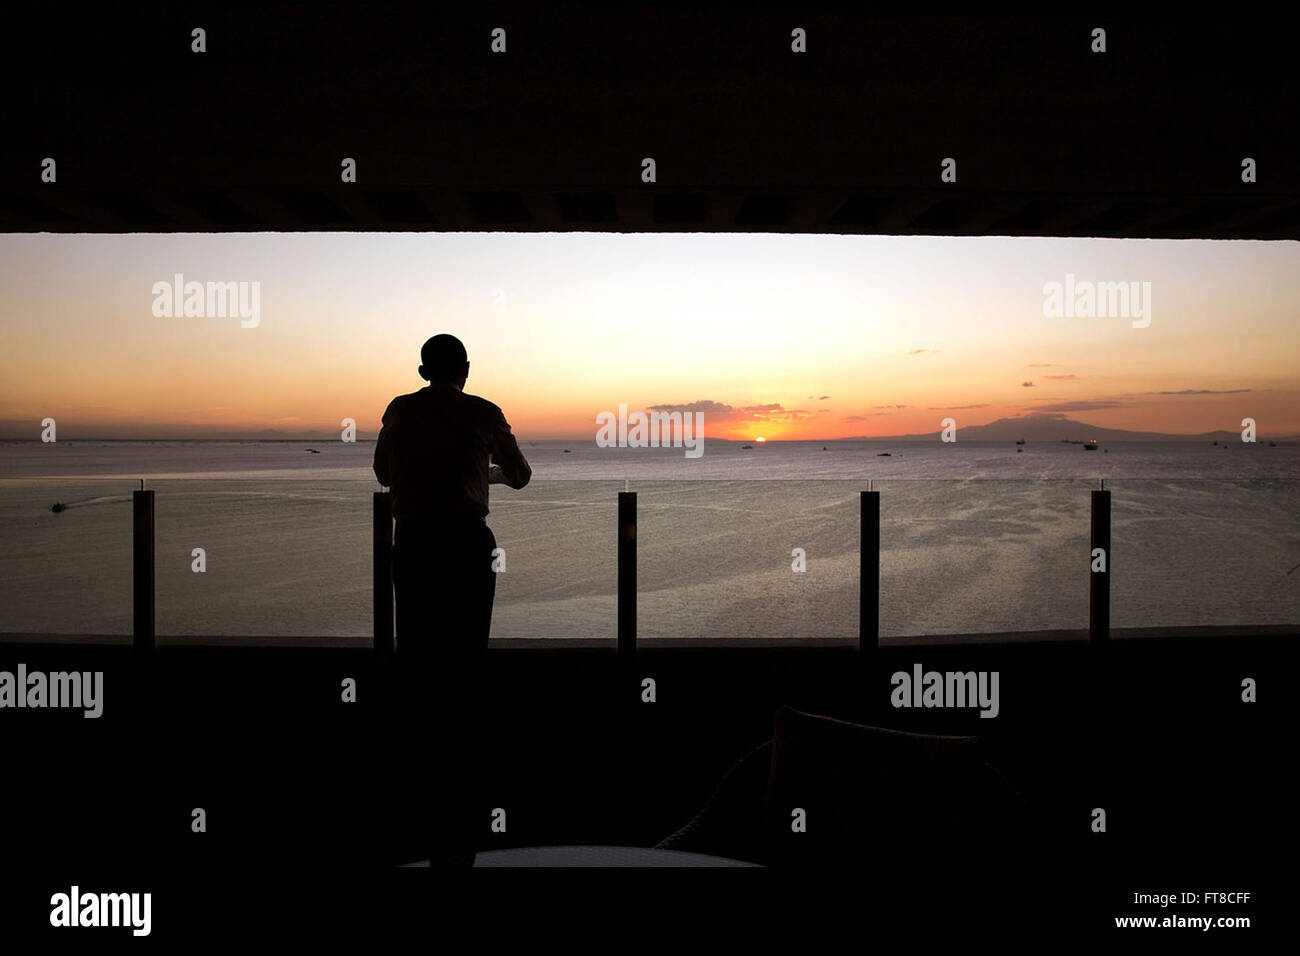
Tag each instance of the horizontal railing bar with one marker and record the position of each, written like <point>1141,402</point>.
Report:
<point>608,647</point>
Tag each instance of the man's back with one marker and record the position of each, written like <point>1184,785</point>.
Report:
<point>433,452</point>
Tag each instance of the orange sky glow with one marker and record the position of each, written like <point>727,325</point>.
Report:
<point>784,337</point>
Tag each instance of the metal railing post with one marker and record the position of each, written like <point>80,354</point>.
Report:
<point>143,611</point>
<point>627,574</point>
<point>383,580</point>
<point>1099,570</point>
<point>869,574</point>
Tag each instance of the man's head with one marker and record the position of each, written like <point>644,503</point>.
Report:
<point>444,360</point>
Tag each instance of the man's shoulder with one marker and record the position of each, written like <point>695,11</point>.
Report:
<point>400,402</point>
<point>481,406</point>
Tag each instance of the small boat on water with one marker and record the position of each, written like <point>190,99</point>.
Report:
<point>884,454</point>
<point>567,452</point>
<point>743,447</point>
<point>313,451</point>
<point>1090,445</point>
<point>1020,441</point>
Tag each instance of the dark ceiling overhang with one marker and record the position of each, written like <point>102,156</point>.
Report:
<point>1145,140</point>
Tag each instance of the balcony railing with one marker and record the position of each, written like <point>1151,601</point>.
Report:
<point>688,560</point>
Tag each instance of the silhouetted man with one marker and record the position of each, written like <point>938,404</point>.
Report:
<point>433,453</point>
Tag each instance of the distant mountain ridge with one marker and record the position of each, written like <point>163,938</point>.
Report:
<point>1056,428</point>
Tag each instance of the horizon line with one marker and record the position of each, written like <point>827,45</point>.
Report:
<point>322,440</point>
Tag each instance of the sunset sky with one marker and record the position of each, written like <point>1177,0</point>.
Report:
<point>785,337</point>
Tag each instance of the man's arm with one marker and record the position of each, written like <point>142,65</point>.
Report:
<point>383,468</point>
<point>507,460</point>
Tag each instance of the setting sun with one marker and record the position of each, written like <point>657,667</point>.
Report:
<point>760,438</point>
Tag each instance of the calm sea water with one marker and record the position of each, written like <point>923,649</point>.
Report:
<point>976,537</point>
